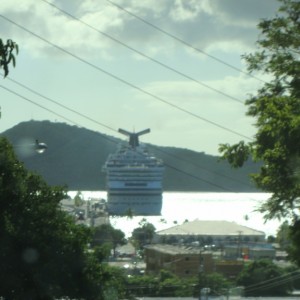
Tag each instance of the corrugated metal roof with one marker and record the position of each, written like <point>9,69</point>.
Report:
<point>211,228</point>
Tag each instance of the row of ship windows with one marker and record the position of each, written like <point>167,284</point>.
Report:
<point>136,179</point>
<point>135,173</point>
<point>134,203</point>
<point>132,180</point>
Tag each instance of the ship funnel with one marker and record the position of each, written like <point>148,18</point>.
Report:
<point>134,136</point>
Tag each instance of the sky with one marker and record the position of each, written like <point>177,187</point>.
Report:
<point>171,66</point>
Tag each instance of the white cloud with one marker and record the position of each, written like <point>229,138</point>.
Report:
<point>201,23</point>
<point>226,29</point>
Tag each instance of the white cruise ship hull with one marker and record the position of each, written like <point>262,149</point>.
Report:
<point>137,197</point>
<point>134,180</point>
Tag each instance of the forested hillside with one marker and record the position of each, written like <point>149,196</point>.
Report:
<point>75,157</point>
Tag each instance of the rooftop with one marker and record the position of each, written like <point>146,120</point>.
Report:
<point>211,228</point>
<point>174,250</point>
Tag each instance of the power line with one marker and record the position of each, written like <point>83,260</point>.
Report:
<point>127,82</point>
<point>197,177</point>
<point>101,124</point>
<point>39,105</point>
<point>196,164</point>
<point>273,282</point>
<point>145,55</point>
<point>61,105</point>
<point>110,128</point>
<point>184,42</point>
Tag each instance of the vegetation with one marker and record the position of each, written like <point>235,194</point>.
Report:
<point>283,237</point>
<point>264,278</point>
<point>43,254</point>
<point>7,55</point>
<point>108,237</point>
<point>78,200</point>
<point>218,284</point>
<point>164,285</point>
<point>276,110</point>
<point>167,284</point>
<point>143,234</point>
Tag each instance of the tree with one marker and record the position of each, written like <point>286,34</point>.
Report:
<point>106,235</point>
<point>294,237</point>
<point>143,234</point>
<point>276,110</point>
<point>283,235</point>
<point>171,285</point>
<point>43,253</point>
<point>264,278</point>
<point>6,55</point>
<point>216,282</point>
<point>78,200</point>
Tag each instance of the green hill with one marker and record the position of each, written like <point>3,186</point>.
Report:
<point>75,157</point>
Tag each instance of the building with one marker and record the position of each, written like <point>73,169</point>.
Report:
<point>209,233</point>
<point>188,261</point>
<point>249,251</point>
<point>181,261</point>
<point>206,246</point>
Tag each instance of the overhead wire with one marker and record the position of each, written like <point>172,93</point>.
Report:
<point>110,128</point>
<point>197,177</point>
<point>53,111</point>
<point>267,281</point>
<point>55,101</point>
<point>204,168</point>
<point>183,41</point>
<point>60,104</point>
<point>143,54</point>
<point>127,82</point>
<point>82,115</point>
<point>152,59</point>
<point>39,105</point>
<point>272,282</point>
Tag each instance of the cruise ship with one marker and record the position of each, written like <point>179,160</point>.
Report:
<point>133,179</point>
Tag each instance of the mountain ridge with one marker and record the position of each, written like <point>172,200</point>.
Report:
<point>75,157</point>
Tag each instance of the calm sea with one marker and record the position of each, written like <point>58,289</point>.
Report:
<point>180,206</point>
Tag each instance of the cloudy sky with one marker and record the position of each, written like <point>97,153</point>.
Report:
<point>166,65</point>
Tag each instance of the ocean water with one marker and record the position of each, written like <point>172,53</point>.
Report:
<point>180,206</point>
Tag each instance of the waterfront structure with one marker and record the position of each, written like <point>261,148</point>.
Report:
<point>133,179</point>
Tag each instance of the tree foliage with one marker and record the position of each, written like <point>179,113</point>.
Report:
<point>294,237</point>
<point>276,110</point>
<point>43,253</point>
<point>165,285</point>
<point>283,237</point>
<point>107,236</point>
<point>143,234</point>
<point>217,283</point>
<point>264,278</point>
<point>78,199</point>
<point>7,54</point>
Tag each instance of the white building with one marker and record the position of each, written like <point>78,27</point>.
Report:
<point>209,233</point>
